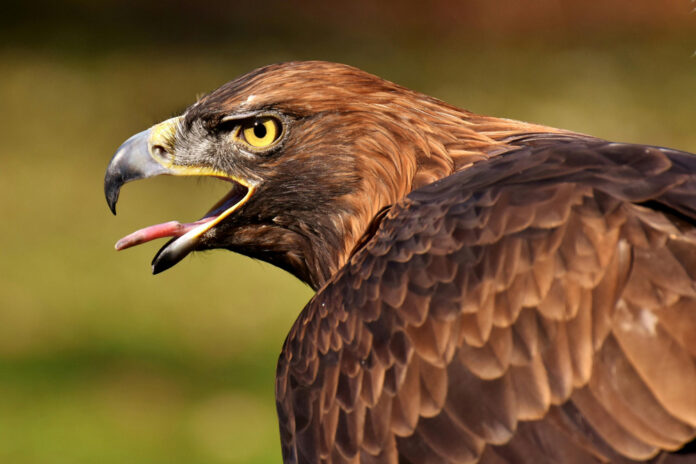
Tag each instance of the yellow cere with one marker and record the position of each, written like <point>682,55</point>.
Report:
<point>164,134</point>
<point>260,133</point>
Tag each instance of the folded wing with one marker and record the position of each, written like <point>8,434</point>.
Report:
<point>536,307</point>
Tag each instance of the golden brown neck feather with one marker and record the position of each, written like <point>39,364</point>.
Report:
<point>418,147</point>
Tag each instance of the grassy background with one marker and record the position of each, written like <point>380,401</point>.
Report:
<point>102,362</point>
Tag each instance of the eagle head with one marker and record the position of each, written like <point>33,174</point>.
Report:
<point>312,151</point>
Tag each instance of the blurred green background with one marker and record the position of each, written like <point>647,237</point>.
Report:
<point>100,362</point>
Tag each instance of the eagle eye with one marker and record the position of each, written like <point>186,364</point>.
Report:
<point>261,132</point>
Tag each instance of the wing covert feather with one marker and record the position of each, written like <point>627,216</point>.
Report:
<point>536,305</point>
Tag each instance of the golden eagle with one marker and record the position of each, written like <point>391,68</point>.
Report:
<point>487,290</point>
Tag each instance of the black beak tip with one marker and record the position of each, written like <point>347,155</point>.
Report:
<point>161,265</point>
<point>112,207</point>
<point>165,258</point>
<point>112,188</point>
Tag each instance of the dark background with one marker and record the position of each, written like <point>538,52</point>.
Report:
<point>102,362</point>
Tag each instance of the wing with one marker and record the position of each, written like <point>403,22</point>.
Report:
<point>538,307</point>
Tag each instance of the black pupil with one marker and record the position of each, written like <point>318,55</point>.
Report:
<point>259,129</point>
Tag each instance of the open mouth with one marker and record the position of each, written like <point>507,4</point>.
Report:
<point>185,236</point>
<point>145,155</point>
<point>177,229</point>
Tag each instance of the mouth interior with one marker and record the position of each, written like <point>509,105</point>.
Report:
<point>177,229</point>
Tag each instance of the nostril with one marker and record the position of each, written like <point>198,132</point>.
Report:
<point>161,152</point>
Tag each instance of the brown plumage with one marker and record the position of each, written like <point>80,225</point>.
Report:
<point>487,290</point>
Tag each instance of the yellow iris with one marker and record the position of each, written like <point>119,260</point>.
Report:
<point>260,133</point>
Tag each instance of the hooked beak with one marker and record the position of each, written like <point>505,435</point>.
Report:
<point>148,154</point>
<point>132,161</point>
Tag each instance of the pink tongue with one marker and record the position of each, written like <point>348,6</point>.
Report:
<point>167,229</point>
